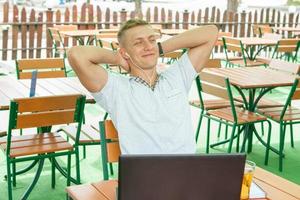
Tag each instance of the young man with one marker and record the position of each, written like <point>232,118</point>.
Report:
<point>150,110</point>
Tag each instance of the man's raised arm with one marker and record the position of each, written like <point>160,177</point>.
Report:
<point>85,61</point>
<point>200,42</point>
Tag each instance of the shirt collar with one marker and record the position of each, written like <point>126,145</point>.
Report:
<point>140,80</point>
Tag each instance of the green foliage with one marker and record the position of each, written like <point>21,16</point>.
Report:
<point>293,2</point>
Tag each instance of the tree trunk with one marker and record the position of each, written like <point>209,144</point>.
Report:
<point>232,5</point>
<point>138,9</point>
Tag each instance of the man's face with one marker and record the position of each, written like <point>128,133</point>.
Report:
<point>140,44</point>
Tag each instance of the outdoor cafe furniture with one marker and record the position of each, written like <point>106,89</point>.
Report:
<point>41,113</point>
<point>284,116</point>
<point>248,47</point>
<point>236,117</point>
<point>87,36</point>
<point>254,82</point>
<point>291,31</point>
<point>59,42</point>
<point>46,68</point>
<point>287,49</point>
<point>259,30</point>
<point>172,31</point>
<point>11,88</point>
<point>208,104</point>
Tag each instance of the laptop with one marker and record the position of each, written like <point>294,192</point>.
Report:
<point>180,177</point>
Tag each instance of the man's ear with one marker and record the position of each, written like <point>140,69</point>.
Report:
<point>124,54</point>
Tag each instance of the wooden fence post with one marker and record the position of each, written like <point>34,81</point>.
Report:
<point>107,17</point>
<point>177,20</point>
<point>5,32</point>
<point>83,17</point>
<point>49,20</point>
<point>148,15</point>
<point>31,33</point>
<point>291,19</point>
<point>39,35</point>
<point>242,24</point>
<point>23,33</point>
<point>170,19</point>
<point>155,14</point>
<point>91,24</point>
<point>99,18</point>
<point>185,21</point>
<point>115,18</point>
<point>15,32</point>
<point>74,20</point>
<point>199,17</point>
<point>123,14</point>
<point>193,18</point>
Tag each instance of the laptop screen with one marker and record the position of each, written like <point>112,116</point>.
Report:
<point>180,177</point>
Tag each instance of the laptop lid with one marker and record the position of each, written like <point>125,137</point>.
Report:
<point>180,177</point>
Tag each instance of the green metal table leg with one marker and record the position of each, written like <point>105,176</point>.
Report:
<point>36,178</point>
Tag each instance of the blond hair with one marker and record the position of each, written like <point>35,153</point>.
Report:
<point>130,24</point>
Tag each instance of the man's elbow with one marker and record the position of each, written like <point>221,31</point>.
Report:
<point>213,32</point>
<point>72,53</point>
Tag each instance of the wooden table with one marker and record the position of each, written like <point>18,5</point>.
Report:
<point>12,88</point>
<point>254,77</point>
<point>172,31</point>
<point>276,188</point>
<point>293,29</point>
<point>257,82</point>
<point>254,45</point>
<point>80,35</point>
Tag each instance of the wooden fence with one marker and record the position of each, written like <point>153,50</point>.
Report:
<point>25,35</point>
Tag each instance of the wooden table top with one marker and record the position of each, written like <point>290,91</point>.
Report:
<point>82,33</point>
<point>254,77</point>
<point>11,88</point>
<point>275,187</point>
<point>172,31</point>
<point>287,28</point>
<point>257,41</point>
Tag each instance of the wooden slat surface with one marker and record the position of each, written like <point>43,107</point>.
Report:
<point>113,152</point>
<point>41,63</point>
<point>257,41</point>
<point>45,119</point>
<point>287,28</point>
<point>255,77</point>
<point>276,187</point>
<point>105,188</point>
<point>82,33</point>
<point>11,88</point>
<point>43,74</point>
<point>36,144</point>
<point>80,192</point>
<point>87,134</point>
<point>62,146</point>
<point>40,104</point>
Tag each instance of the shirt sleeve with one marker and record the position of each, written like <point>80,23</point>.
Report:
<point>107,95</point>
<point>186,71</point>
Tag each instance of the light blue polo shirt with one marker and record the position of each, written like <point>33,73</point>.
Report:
<point>152,122</point>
